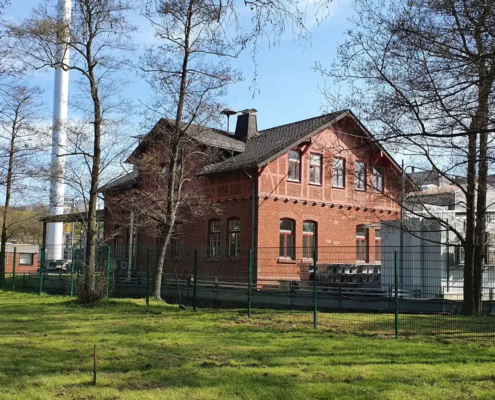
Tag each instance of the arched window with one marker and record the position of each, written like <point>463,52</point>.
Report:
<point>309,239</point>
<point>362,243</point>
<point>234,238</point>
<point>214,227</point>
<point>286,248</point>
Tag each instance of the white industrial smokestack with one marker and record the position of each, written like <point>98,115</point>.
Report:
<point>59,138</point>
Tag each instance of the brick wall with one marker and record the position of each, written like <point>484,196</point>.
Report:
<point>335,236</point>
<point>20,269</point>
<point>337,211</point>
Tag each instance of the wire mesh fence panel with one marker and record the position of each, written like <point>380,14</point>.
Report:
<point>408,290</point>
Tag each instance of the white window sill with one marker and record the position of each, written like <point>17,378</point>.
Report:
<point>293,180</point>
<point>338,187</point>
<point>286,261</point>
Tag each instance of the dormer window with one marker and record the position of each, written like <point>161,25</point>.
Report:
<point>294,172</point>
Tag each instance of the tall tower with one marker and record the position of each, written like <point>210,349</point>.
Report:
<point>59,137</point>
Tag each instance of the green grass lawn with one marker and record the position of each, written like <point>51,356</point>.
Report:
<point>161,352</point>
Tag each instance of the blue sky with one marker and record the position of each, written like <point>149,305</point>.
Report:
<point>288,87</point>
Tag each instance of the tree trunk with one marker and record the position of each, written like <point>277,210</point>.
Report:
<point>8,193</point>
<point>92,228</point>
<point>172,200</point>
<point>468,288</point>
<point>161,263</point>
<point>480,122</point>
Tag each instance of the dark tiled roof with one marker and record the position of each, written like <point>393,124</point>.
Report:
<point>124,182</point>
<point>220,139</point>
<point>208,136</point>
<point>271,142</point>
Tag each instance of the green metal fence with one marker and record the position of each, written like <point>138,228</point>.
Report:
<point>334,289</point>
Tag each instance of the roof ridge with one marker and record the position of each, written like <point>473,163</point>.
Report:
<point>304,120</point>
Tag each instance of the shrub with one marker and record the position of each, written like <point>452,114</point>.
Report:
<point>90,289</point>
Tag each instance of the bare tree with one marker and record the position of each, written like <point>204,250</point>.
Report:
<point>421,73</point>
<point>150,201</point>
<point>188,71</point>
<point>97,36</point>
<point>20,141</point>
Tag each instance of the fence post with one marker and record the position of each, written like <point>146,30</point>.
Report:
<point>42,268</point>
<point>109,263</point>
<point>195,277</point>
<point>13,270</point>
<point>250,282</point>
<point>72,268</point>
<point>148,268</point>
<point>396,276</point>
<point>315,291</point>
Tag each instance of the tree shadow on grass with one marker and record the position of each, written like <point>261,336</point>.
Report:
<point>143,348</point>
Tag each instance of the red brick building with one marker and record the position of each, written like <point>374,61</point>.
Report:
<point>26,258</point>
<point>319,185</point>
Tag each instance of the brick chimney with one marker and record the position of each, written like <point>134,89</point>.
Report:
<point>247,126</point>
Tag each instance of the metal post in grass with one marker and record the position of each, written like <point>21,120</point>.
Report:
<point>315,291</point>
<point>42,268</point>
<point>396,276</point>
<point>148,270</point>
<point>95,363</point>
<point>109,263</point>
<point>195,277</point>
<point>72,268</point>
<point>13,269</point>
<point>250,282</point>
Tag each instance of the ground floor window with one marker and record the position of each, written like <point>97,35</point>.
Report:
<point>378,245</point>
<point>118,246</point>
<point>234,237</point>
<point>309,239</point>
<point>214,227</point>
<point>362,243</point>
<point>286,248</point>
<point>25,259</point>
<point>490,249</point>
<point>175,241</point>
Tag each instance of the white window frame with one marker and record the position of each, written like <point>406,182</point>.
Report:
<point>360,176</point>
<point>338,171</point>
<point>315,163</point>
<point>378,186</point>
<point>297,162</point>
<point>31,255</point>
